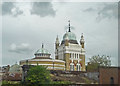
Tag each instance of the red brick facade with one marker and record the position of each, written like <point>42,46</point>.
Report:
<point>119,76</point>
<point>109,75</point>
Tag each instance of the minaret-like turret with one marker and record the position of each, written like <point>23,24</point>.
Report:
<point>82,41</point>
<point>57,43</point>
<point>56,47</point>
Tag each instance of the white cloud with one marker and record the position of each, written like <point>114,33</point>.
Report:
<point>22,48</point>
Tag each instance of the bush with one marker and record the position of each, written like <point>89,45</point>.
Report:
<point>38,75</point>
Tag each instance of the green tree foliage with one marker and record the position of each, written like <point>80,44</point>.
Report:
<point>96,61</point>
<point>38,75</point>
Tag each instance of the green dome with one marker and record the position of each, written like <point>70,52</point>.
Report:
<point>71,36</point>
<point>42,51</point>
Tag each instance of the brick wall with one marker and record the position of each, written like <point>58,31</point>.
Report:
<point>108,75</point>
<point>118,75</point>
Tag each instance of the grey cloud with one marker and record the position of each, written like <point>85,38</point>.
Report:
<point>105,11</point>
<point>89,10</point>
<point>109,11</point>
<point>9,8</point>
<point>22,48</point>
<point>43,9</point>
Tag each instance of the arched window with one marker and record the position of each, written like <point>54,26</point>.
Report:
<point>111,80</point>
<point>73,55</point>
<point>78,67</point>
<point>77,56</point>
<point>71,66</point>
<point>70,55</point>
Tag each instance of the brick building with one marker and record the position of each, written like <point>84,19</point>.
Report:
<point>109,75</point>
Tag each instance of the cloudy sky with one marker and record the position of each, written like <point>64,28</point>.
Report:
<point>26,25</point>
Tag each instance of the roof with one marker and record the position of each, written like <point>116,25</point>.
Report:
<point>50,60</point>
<point>70,35</point>
<point>70,41</point>
<point>42,51</point>
<point>105,67</point>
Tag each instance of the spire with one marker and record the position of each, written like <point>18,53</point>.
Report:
<point>82,38</point>
<point>42,45</point>
<point>57,37</point>
<point>69,26</point>
<point>82,35</point>
<point>57,40</point>
<point>82,41</point>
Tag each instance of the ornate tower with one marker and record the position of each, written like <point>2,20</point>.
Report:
<point>82,52</point>
<point>71,51</point>
<point>56,47</point>
<point>82,41</point>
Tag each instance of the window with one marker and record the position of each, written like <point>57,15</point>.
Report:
<point>71,55</point>
<point>111,80</point>
<point>78,67</point>
<point>71,67</point>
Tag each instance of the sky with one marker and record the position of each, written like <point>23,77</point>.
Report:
<point>26,25</point>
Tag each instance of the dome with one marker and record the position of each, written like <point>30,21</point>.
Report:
<point>15,69</point>
<point>71,36</point>
<point>42,51</point>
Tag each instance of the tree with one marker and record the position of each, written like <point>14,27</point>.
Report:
<point>38,75</point>
<point>96,61</point>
